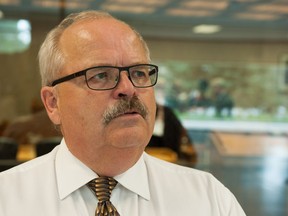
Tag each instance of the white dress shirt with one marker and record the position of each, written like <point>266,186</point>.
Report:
<point>55,185</point>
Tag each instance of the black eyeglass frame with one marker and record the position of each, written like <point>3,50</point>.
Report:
<point>120,69</point>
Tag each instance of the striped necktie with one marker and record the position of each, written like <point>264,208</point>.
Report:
<point>102,187</point>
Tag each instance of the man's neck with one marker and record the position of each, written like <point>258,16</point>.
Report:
<point>113,162</point>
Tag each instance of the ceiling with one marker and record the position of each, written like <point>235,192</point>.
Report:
<point>235,19</point>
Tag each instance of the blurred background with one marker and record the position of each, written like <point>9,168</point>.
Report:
<point>223,70</point>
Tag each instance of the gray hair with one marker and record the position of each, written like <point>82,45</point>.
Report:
<point>50,56</point>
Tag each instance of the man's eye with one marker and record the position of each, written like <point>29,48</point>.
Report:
<point>139,74</point>
<point>101,76</point>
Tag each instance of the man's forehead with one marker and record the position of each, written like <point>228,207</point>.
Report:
<point>100,25</point>
<point>104,32</point>
<point>89,44</point>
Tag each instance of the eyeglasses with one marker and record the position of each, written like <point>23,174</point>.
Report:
<point>107,77</point>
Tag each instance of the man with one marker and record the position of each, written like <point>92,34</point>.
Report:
<point>97,87</point>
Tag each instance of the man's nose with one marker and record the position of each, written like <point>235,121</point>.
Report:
<point>125,87</point>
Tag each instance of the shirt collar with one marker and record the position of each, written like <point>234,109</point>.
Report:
<point>135,179</point>
<point>72,174</point>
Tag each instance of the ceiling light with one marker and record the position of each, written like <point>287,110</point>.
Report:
<point>274,8</point>
<point>190,13</point>
<point>10,2</point>
<point>128,9</point>
<point>206,29</point>
<point>246,1</point>
<point>256,16</point>
<point>137,2</point>
<point>59,4</point>
<point>212,5</point>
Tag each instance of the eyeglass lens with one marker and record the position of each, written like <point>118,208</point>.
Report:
<point>107,77</point>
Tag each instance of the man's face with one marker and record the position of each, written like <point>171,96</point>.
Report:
<point>80,111</point>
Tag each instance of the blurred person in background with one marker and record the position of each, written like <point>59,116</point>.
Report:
<point>29,129</point>
<point>169,133</point>
<point>221,99</point>
<point>199,98</point>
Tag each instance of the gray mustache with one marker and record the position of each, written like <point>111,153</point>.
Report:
<point>123,106</point>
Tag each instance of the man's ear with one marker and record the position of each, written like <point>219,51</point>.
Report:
<point>49,99</point>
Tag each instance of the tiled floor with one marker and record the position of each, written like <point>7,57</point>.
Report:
<point>259,183</point>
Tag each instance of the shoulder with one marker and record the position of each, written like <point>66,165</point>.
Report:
<point>173,178</point>
<point>28,183</point>
<point>201,189</point>
<point>37,166</point>
<point>176,171</point>
<point>185,179</point>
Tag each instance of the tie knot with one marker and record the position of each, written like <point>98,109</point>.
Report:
<point>102,187</point>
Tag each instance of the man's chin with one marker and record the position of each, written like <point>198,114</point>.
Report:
<point>129,139</point>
